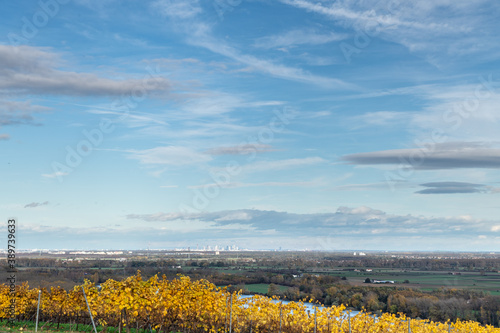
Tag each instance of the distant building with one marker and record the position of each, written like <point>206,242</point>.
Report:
<point>382,281</point>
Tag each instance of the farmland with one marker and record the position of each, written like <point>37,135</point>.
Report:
<point>185,305</point>
<point>424,272</point>
<point>428,280</point>
<point>435,286</point>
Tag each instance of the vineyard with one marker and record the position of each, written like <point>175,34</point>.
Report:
<point>184,305</point>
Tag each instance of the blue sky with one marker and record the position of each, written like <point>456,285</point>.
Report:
<point>326,125</point>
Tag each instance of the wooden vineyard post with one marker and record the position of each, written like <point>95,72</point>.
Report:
<point>231,314</point>
<point>90,312</point>
<point>281,314</point>
<point>315,319</point>
<point>121,322</point>
<point>38,309</point>
<point>225,324</point>
<point>349,321</point>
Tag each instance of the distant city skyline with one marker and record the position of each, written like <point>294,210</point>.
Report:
<point>293,124</point>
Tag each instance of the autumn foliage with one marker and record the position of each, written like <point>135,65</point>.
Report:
<point>199,306</point>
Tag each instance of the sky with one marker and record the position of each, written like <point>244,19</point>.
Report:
<point>293,124</point>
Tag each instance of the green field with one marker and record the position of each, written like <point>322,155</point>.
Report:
<point>261,288</point>
<point>423,280</point>
<point>428,280</point>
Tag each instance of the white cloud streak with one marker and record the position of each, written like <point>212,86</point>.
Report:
<point>199,33</point>
<point>263,184</point>
<point>412,23</point>
<point>243,149</point>
<point>36,204</point>
<point>264,166</point>
<point>298,37</point>
<point>170,155</point>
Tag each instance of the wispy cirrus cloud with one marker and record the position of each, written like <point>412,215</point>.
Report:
<point>262,166</point>
<point>212,104</point>
<point>298,37</point>
<point>169,155</point>
<point>243,149</point>
<point>56,174</point>
<point>178,9</point>
<point>355,14</point>
<point>369,186</point>
<point>36,204</point>
<point>466,112</point>
<point>270,67</point>
<point>199,33</point>
<point>262,184</point>
<point>380,118</point>
<point>132,119</point>
<point>411,23</point>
